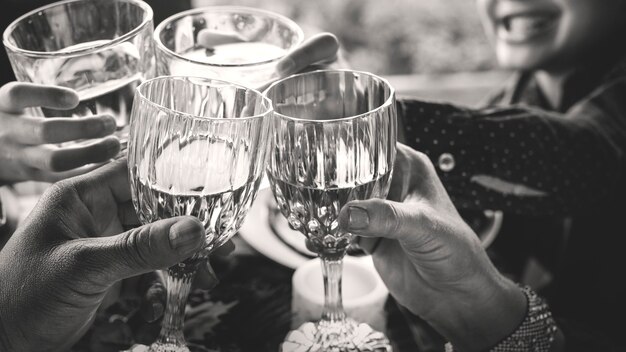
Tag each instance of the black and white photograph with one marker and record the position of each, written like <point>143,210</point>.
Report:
<point>312,176</point>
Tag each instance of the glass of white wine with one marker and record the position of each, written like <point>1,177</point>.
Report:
<point>234,43</point>
<point>333,140</point>
<point>197,147</point>
<point>102,49</point>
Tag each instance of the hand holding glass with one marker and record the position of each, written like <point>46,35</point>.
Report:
<point>102,49</point>
<point>197,147</point>
<point>333,141</point>
<point>234,43</point>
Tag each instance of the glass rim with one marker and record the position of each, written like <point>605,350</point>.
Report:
<point>217,9</point>
<point>148,18</point>
<point>388,102</point>
<point>266,101</point>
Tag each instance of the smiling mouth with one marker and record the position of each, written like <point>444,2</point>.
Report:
<point>516,29</point>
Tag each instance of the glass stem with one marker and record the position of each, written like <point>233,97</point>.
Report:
<point>332,269</point>
<point>178,286</point>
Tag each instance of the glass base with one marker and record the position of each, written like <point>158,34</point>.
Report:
<point>343,336</point>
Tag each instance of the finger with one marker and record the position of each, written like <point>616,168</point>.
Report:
<point>209,39</point>
<point>155,246</point>
<point>52,177</point>
<point>32,131</point>
<point>321,47</point>
<point>16,96</point>
<point>114,178</point>
<point>206,277</point>
<point>153,302</point>
<point>383,218</point>
<point>52,158</point>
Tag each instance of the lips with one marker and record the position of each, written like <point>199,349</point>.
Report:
<point>524,27</point>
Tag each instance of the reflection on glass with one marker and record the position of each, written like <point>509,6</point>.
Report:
<point>102,49</point>
<point>333,141</point>
<point>238,44</point>
<point>197,147</point>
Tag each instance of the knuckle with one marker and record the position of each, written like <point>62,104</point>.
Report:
<point>45,131</point>
<point>61,190</point>
<point>391,217</point>
<point>134,244</point>
<point>38,130</point>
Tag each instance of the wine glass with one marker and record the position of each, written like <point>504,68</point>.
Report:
<point>197,147</point>
<point>234,43</point>
<point>333,136</point>
<point>102,49</point>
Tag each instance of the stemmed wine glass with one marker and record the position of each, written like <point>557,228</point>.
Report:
<point>197,147</point>
<point>333,136</point>
<point>235,43</point>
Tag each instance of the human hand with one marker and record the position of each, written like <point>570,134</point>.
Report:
<point>28,149</point>
<point>65,257</point>
<point>431,260</point>
<point>317,52</point>
<point>152,285</point>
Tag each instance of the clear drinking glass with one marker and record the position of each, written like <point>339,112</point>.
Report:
<point>197,147</point>
<point>238,44</point>
<point>102,49</point>
<point>333,141</point>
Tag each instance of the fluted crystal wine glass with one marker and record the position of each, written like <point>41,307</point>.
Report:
<point>235,43</point>
<point>333,136</point>
<point>197,147</point>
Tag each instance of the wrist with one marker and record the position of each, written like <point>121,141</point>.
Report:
<point>484,316</point>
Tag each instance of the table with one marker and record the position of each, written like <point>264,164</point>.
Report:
<point>248,311</point>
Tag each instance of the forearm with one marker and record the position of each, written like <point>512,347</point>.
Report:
<point>557,164</point>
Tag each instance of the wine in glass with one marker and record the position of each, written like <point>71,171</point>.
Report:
<point>197,147</point>
<point>233,43</point>
<point>333,136</point>
<point>102,49</point>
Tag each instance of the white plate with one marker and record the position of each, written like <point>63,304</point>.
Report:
<point>291,251</point>
<point>257,232</point>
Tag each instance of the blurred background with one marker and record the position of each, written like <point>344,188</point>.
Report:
<point>430,49</point>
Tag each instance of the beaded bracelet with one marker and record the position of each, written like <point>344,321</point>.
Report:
<point>536,333</point>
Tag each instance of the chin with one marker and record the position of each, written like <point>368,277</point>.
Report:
<point>523,58</point>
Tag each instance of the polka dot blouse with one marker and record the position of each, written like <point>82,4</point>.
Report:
<point>521,158</point>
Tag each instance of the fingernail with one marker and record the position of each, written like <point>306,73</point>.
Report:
<point>70,99</point>
<point>285,66</point>
<point>357,218</point>
<point>185,236</point>
<point>109,123</point>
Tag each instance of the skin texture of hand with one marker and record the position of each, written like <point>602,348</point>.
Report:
<point>67,255</point>
<point>28,144</point>
<point>431,261</point>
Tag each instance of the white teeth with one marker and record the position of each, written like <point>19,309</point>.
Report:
<point>524,27</point>
<point>526,23</point>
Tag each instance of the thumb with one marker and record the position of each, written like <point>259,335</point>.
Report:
<point>383,218</point>
<point>321,47</point>
<point>154,246</point>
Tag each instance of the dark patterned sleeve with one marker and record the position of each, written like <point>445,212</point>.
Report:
<point>533,161</point>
